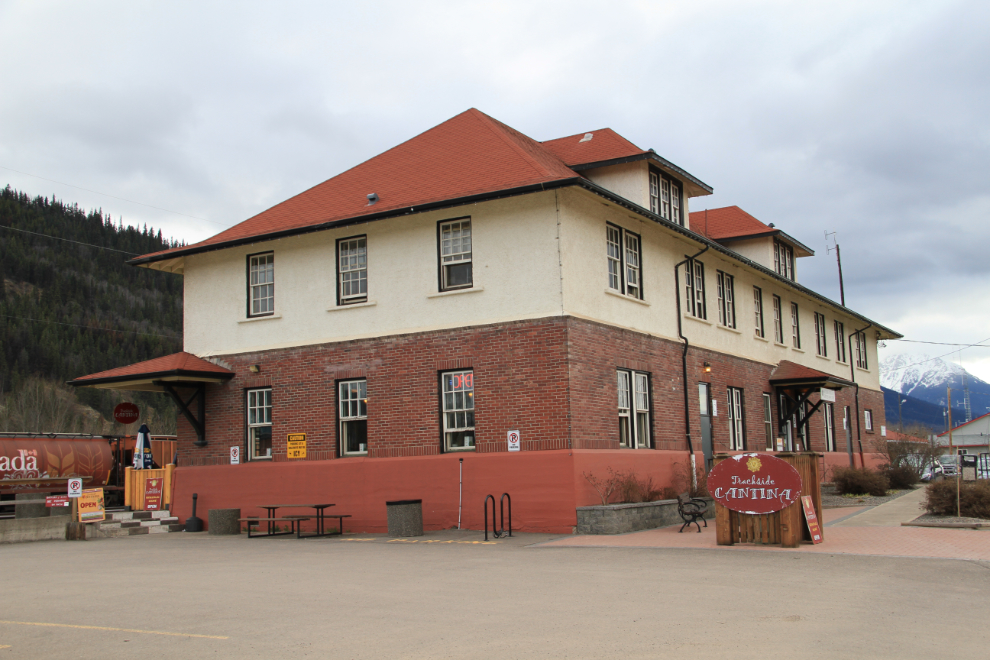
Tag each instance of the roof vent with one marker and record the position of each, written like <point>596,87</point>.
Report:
<point>770,225</point>
<point>587,137</point>
<point>372,198</point>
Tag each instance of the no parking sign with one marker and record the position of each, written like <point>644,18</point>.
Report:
<point>75,487</point>
<point>514,441</point>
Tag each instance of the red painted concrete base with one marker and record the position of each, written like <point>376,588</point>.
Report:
<point>545,486</point>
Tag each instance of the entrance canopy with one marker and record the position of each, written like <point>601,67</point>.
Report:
<point>796,383</point>
<point>166,374</point>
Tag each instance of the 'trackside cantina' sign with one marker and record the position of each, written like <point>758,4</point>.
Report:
<point>754,483</point>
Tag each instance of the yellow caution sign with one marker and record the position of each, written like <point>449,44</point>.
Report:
<point>296,445</point>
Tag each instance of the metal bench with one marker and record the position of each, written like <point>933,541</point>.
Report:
<point>691,510</point>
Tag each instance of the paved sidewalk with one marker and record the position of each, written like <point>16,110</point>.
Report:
<point>891,514</point>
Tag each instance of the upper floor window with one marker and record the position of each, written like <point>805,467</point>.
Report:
<point>634,409</point>
<point>352,270</point>
<point>352,399</point>
<point>795,327</point>
<point>665,198</point>
<point>261,284</point>
<point>694,289</point>
<point>840,341</point>
<point>259,422</point>
<point>758,311</point>
<point>778,321</point>
<point>726,299</point>
<point>455,254</point>
<point>859,343</point>
<point>624,261</point>
<point>821,340</point>
<point>783,259</point>
<point>458,409</point>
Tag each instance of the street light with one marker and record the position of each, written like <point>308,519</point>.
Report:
<point>900,418</point>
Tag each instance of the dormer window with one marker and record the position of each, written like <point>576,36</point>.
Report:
<point>665,198</point>
<point>783,259</point>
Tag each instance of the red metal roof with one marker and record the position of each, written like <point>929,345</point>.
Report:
<point>470,154</point>
<point>605,144</point>
<point>791,371</point>
<point>177,362</point>
<point>727,222</point>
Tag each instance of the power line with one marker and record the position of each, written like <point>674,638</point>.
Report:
<point>123,199</point>
<point>89,327</point>
<point>940,343</point>
<point>939,356</point>
<point>25,231</point>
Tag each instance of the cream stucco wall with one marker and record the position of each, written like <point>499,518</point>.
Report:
<point>630,180</point>
<point>515,271</point>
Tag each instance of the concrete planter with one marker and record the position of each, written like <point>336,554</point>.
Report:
<point>624,518</point>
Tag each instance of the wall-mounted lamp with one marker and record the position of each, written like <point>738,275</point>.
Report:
<point>255,368</point>
<point>708,367</point>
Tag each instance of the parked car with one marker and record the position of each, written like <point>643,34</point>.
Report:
<point>950,464</point>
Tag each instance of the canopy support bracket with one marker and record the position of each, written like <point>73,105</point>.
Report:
<point>198,421</point>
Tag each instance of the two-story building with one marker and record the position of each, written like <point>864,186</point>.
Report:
<point>411,313</point>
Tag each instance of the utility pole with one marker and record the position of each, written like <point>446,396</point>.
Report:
<point>952,451</point>
<point>838,259</point>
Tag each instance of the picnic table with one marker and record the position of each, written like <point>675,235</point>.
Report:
<point>321,516</point>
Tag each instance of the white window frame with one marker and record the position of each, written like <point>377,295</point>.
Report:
<point>758,312</point>
<point>861,359</point>
<point>258,406</point>
<point>625,261</point>
<point>352,411</point>
<point>868,419</point>
<point>694,288</point>
<point>737,429</point>
<point>352,270</point>
<point>455,239</point>
<point>795,326</point>
<point>821,336</point>
<point>840,341</point>
<point>783,259</point>
<point>828,415</point>
<point>665,198</point>
<point>726,299</point>
<point>261,284</point>
<point>768,422</point>
<point>778,319</point>
<point>457,410</point>
<point>633,394</point>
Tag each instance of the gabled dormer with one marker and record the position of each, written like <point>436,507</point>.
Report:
<point>609,160</point>
<point>737,230</point>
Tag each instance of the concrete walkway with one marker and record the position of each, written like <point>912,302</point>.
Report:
<point>890,514</point>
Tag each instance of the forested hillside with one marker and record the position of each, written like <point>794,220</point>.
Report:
<point>67,309</point>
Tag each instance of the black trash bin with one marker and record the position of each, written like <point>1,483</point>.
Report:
<point>405,517</point>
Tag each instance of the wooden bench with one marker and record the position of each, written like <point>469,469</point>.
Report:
<point>294,526</point>
<point>691,510</point>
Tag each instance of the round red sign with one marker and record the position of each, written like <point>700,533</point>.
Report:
<point>126,413</point>
<point>754,483</point>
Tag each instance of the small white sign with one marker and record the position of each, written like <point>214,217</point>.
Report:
<point>514,441</point>
<point>235,455</point>
<point>883,431</point>
<point>75,487</point>
<point>714,408</point>
<point>827,395</point>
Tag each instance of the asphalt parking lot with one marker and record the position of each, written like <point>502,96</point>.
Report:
<point>449,595</point>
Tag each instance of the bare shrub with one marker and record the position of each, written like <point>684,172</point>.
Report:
<point>40,406</point>
<point>860,481</point>
<point>605,486</point>
<point>635,489</point>
<point>974,498</point>
<point>683,482</point>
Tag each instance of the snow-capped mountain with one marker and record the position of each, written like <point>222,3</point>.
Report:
<point>927,378</point>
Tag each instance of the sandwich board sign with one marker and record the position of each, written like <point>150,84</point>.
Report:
<point>811,519</point>
<point>91,506</point>
<point>515,443</point>
<point>75,487</point>
<point>153,494</point>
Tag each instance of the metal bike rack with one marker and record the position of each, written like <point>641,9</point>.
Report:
<point>500,532</point>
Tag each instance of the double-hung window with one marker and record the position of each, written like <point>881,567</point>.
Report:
<point>828,415</point>
<point>665,198</point>
<point>352,402</point>
<point>261,284</point>
<point>726,299</point>
<point>860,344</point>
<point>352,270</point>
<point>259,422</point>
<point>868,419</point>
<point>840,341</point>
<point>455,254</point>
<point>795,327</point>
<point>457,389</point>
<point>737,435</point>
<point>634,409</point>
<point>768,422</point>
<point>821,338</point>
<point>778,321</point>
<point>694,289</point>
<point>758,311</point>
<point>625,268</point>
<point>783,259</point>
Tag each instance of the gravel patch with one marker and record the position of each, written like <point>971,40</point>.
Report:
<point>929,518</point>
<point>830,500</point>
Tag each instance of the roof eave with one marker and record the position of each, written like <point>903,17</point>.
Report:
<point>205,376</point>
<point>701,188</point>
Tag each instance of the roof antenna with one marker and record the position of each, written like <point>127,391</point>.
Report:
<point>587,137</point>
<point>372,198</point>
<point>838,260</point>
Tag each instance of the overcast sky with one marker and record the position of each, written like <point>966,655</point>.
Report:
<point>869,119</point>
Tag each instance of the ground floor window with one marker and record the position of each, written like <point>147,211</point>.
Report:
<point>352,400</point>
<point>634,409</point>
<point>868,418</point>
<point>259,420</point>
<point>828,412</point>
<point>458,410</point>
<point>768,422</point>
<point>737,436</point>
